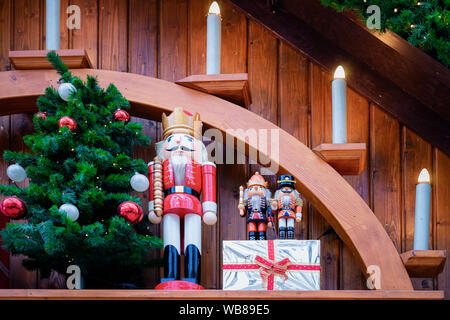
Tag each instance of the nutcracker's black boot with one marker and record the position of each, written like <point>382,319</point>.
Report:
<point>282,233</point>
<point>192,260</point>
<point>290,233</point>
<point>262,235</point>
<point>252,236</point>
<point>171,264</point>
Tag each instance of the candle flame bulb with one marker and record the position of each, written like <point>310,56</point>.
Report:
<point>424,176</point>
<point>339,73</point>
<point>214,8</point>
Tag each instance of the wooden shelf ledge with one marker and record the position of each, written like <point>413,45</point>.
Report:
<point>147,294</point>
<point>424,263</point>
<point>345,158</point>
<point>232,87</point>
<point>37,59</point>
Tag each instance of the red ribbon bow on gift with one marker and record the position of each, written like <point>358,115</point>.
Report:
<point>270,267</point>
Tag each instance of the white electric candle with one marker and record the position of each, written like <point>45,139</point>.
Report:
<point>339,106</point>
<point>213,39</point>
<point>422,211</point>
<point>52,18</point>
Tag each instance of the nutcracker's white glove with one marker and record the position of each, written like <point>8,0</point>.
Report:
<point>210,218</point>
<point>153,217</point>
<point>209,212</point>
<point>298,216</point>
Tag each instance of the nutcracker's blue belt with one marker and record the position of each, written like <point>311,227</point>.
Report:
<point>182,189</point>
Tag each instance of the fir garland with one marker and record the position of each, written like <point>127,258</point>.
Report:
<point>424,24</point>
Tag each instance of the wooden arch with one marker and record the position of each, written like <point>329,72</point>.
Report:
<point>328,192</point>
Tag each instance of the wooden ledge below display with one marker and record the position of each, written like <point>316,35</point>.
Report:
<point>232,87</point>
<point>345,158</point>
<point>147,294</point>
<point>424,263</point>
<point>37,59</point>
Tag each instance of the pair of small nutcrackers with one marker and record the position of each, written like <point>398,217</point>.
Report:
<point>256,202</point>
<point>182,190</point>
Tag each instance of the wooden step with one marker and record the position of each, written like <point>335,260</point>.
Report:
<point>424,263</point>
<point>148,294</point>
<point>345,158</point>
<point>37,59</point>
<point>232,87</point>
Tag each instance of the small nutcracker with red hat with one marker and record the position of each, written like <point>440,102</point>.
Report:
<point>254,201</point>
<point>288,203</point>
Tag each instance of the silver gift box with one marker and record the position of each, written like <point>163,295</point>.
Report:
<point>240,272</point>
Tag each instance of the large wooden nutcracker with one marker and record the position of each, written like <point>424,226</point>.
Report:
<point>179,175</point>
<point>254,201</point>
<point>288,203</point>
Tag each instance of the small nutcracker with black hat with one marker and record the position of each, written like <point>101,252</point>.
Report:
<point>288,203</point>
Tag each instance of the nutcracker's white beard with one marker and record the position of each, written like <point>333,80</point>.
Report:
<point>179,168</point>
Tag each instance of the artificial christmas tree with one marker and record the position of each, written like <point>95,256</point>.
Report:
<point>79,174</point>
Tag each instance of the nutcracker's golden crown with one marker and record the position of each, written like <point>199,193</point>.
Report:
<point>182,121</point>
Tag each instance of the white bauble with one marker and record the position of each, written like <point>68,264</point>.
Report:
<point>65,89</point>
<point>139,182</point>
<point>16,172</point>
<point>70,210</point>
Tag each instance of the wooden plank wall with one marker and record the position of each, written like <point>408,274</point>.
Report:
<point>167,39</point>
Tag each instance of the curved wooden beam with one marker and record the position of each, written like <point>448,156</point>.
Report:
<point>328,192</point>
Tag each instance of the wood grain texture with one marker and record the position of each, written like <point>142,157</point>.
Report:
<point>416,155</point>
<point>235,60</point>
<point>262,72</point>
<point>346,158</point>
<point>87,37</point>
<point>173,40</point>
<point>143,37</point>
<point>441,210</point>
<point>386,172</point>
<point>351,276</point>
<point>197,11</point>
<point>113,48</point>
<point>37,59</point>
<point>321,133</point>
<point>263,82</point>
<point>64,32</point>
<point>18,294</point>
<point>424,263</point>
<point>234,39</point>
<point>294,108</point>
<point>5,42</point>
<point>229,86</point>
<point>343,208</point>
<point>5,39</point>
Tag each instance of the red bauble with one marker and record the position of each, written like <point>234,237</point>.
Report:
<point>13,208</point>
<point>130,211</point>
<point>42,115</point>
<point>121,115</point>
<point>68,122</point>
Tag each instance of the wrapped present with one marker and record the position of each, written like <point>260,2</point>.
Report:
<point>271,265</point>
